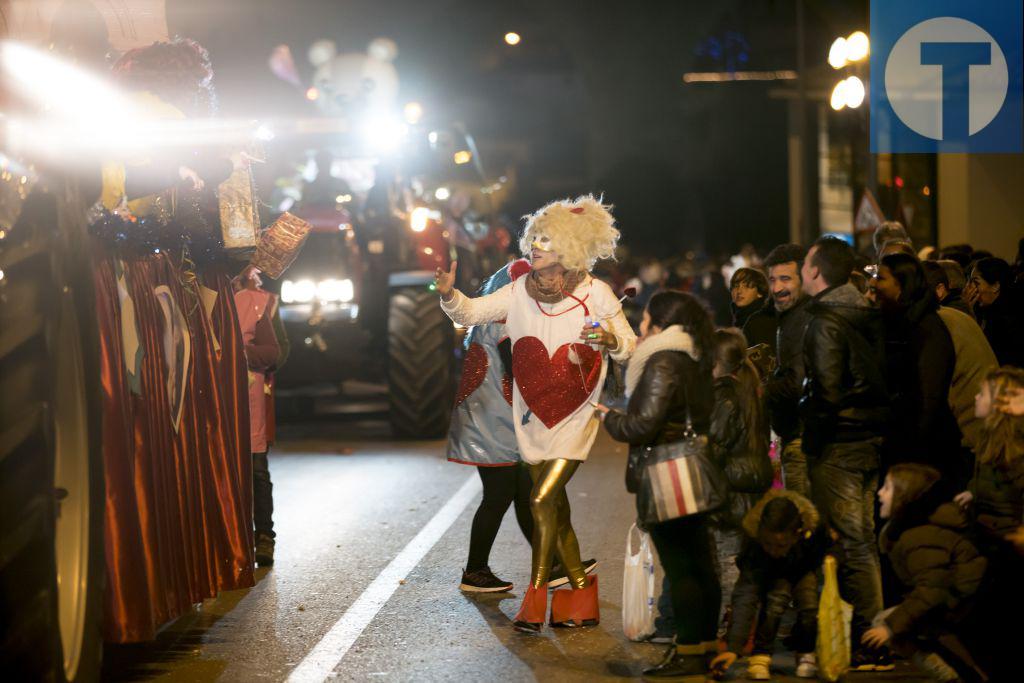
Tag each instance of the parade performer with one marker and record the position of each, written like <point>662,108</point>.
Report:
<point>482,434</point>
<point>560,320</point>
<point>256,310</point>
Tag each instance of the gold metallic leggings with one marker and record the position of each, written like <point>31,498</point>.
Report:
<point>552,528</point>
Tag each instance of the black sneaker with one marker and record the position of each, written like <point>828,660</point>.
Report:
<point>675,665</point>
<point>558,576</point>
<point>265,551</point>
<point>483,581</point>
<point>660,638</point>
<point>871,660</point>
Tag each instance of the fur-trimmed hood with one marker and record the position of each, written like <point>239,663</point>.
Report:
<point>808,513</point>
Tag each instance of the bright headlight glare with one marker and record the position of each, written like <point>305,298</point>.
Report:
<point>419,219</point>
<point>301,291</point>
<point>383,133</point>
<point>335,290</point>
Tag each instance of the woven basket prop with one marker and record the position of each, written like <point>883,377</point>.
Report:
<point>280,245</point>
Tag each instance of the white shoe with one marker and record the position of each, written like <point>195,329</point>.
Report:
<point>806,666</point>
<point>759,668</point>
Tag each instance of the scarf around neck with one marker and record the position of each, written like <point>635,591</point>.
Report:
<point>570,281</point>
<point>672,338</point>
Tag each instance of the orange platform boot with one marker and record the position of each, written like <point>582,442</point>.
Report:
<point>576,607</point>
<point>530,617</point>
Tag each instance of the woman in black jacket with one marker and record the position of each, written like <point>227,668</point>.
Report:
<point>921,358</point>
<point>991,292</point>
<point>668,382</point>
<point>739,446</point>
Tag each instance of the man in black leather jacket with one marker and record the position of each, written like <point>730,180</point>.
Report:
<point>844,409</point>
<point>782,392</point>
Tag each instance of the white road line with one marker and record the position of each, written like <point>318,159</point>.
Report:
<point>328,653</point>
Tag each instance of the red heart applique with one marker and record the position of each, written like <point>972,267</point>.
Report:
<point>474,370</point>
<point>552,387</point>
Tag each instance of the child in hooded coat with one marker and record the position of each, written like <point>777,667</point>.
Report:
<point>927,541</point>
<point>785,545</point>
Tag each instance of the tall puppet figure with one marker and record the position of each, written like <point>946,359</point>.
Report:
<point>560,321</point>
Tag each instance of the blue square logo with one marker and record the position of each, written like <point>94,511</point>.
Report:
<point>946,76</point>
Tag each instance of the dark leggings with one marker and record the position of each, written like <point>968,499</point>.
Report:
<point>262,496</point>
<point>502,487</point>
<point>687,554</point>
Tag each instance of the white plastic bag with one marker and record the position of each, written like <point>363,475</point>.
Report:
<point>638,588</point>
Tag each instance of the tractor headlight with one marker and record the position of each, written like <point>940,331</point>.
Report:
<point>298,292</point>
<point>335,290</point>
<point>325,291</point>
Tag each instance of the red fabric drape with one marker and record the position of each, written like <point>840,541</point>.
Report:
<point>179,503</point>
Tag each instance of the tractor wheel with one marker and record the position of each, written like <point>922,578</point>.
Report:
<point>421,364</point>
<point>51,474</point>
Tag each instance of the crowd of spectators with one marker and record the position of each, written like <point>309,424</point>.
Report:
<point>889,387</point>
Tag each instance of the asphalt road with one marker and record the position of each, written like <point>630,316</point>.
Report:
<point>348,502</point>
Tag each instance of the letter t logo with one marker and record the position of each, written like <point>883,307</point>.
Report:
<point>956,60</point>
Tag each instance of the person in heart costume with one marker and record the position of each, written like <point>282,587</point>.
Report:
<point>561,322</point>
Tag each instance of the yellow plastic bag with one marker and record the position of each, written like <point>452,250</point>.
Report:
<point>833,637</point>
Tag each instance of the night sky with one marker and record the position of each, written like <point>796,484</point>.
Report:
<point>591,100</point>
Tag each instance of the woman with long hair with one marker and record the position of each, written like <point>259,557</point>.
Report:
<point>739,446</point>
<point>991,290</point>
<point>995,496</point>
<point>561,322</point>
<point>921,358</point>
<point>669,385</point>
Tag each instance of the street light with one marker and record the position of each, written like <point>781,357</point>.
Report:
<point>838,99</point>
<point>854,92</point>
<point>857,46</point>
<point>853,48</point>
<point>848,92</point>
<point>837,53</point>
<point>512,38</point>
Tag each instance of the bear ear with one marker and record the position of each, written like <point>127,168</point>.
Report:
<point>383,49</point>
<point>321,52</point>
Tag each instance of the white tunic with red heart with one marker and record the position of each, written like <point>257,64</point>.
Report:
<point>556,374</point>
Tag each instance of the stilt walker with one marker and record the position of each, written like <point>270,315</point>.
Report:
<point>561,322</point>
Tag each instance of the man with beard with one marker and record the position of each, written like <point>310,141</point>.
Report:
<point>784,386</point>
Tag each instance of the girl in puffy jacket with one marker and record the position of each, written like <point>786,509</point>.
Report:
<point>738,440</point>
<point>926,539</point>
<point>995,497</point>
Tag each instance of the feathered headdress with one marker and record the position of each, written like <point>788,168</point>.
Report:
<point>581,231</point>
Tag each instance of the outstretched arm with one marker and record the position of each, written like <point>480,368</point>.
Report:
<point>471,311</point>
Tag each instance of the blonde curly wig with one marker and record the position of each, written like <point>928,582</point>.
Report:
<point>582,231</point>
